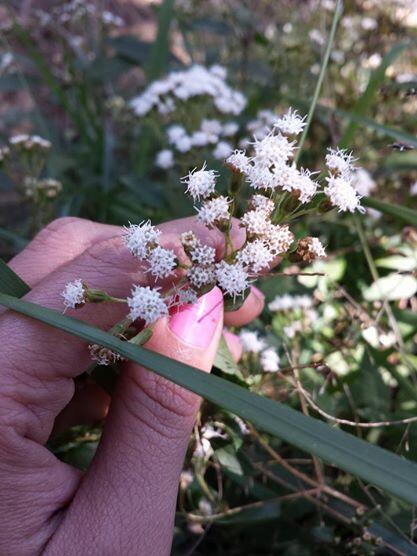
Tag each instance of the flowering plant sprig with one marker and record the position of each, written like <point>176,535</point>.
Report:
<point>269,170</point>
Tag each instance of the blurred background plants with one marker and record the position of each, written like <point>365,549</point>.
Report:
<point>89,128</point>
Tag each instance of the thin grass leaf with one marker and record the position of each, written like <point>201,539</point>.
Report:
<point>403,213</point>
<point>10,283</point>
<point>367,99</point>
<point>336,16</point>
<point>373,464</point>
<point>160,49</point>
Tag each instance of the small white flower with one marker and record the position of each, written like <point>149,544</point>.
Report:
<point>316,248</point>
<point>200,276</point>
<point>273,149</point>
<point>222,150</point>
<point>187,296</point>
<point>203,254</point>
<point>290,302</point>
<point>165,159</point>
<point>238,161</point>
<point>256,255</point>
<point>139,237</point>
<point>261,177</point>
<point>290,123</point>
<point>263,203</point>
<point>200,183</point>
<point>232,278</point>
<point>215,211</point>
<point>279,238</point>
<point>183,144</point>
<point>229,129</point>
<point>363,182</point>
<point>200,139</point>
<point>147,304</point>
<point>342,194</point>
<point>211,127</point>
<point>175,133</point>
<point>340,161</point>
<point>305,186</point>
<point>251,341</point>
<point>256,222</point>
<point>162,262</point>
<point>74,294</point>
<point>269,361</point>
<point>413,188</point>
<point>218,71</point>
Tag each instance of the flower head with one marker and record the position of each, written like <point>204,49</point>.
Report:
<point>140,237</point>
<point>256,222</point>
<point>238,161</point>
<point>165,159</point>
<point>262,203</point>
<point>214,212</point>
<point>74,294</point>
<point>290,123</point>
<point>251,341</point>
<point>279,238</point>
<point>147,304</point>
<point>203,254</point>
<point>340,162</point>
<point>272,149</point>
<point>342,194</point>
<point>162,262</point>
<point>200,183</point>
<point>232,278</point>
<point>269,360</point>
<point>255,256</point>
<point>201,276</point>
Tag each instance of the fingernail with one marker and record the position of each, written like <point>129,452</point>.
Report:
<point>258,294</point>
<point>196,324</point>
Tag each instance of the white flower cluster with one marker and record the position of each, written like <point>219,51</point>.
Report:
<point>288,302</point>
<point>270,167</point>
<point>29,142</point>
<point>268,356</point>
<point>180,86</point>
<point>74,294</point>
<point>340,187</point>
<point>76,10</point>
<point>211,133</point>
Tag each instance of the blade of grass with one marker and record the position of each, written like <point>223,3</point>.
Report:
<point>10,283</point>
<point>160,49</point>
<point>376,465</point>
<point>403,213</point>
<point>336,16</point>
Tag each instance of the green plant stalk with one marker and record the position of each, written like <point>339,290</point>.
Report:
<point>387,308</point>
<point>358,457</point>
<point>336,16</point>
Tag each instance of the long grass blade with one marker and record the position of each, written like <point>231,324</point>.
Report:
<point>376,465</point>
<point>160,49</point>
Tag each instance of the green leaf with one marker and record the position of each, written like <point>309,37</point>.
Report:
<point>393,286</point>
<point>10,283</point>
<point>160,50</point>
<point>403,213</point>
<point>224,360</point>
<point>367,99</point>
<point>376,465</point>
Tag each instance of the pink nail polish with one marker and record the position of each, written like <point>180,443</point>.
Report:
<point>257,293</point>
<point>196,324</point>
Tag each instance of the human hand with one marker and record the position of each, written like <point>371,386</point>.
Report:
<point>125,502</point>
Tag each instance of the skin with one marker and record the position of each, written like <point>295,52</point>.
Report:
<point>125,502</point>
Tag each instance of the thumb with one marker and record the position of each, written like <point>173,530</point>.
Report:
<point>129,493</point>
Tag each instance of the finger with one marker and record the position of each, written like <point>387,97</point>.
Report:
<point>144,443</point>
<point>252,308</point>
<point>88,406</point>
<point>234,344</point>
<point>58,243</point>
